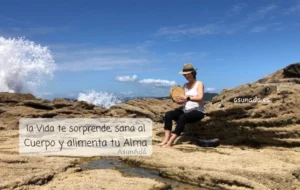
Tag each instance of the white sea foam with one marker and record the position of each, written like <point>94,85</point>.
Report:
<point>24,65</point>
<point>104,99</point>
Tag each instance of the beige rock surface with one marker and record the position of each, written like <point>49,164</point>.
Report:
<point>15,106</point>
<point>271,126</point>
<point>226,167</point>
<point>17,171</point>
<point>98,179</point>
<point>148,107</point>
<point>20,172</point>
<point>276,122</point>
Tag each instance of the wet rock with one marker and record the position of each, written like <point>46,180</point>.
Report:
<point>100,179</point>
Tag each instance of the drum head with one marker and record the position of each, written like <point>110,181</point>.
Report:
<point>176,91</point>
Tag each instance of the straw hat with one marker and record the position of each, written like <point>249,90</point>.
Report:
<point>187,68</point>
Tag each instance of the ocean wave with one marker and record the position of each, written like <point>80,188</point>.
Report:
<point>24,65</point>
<point>104,99</point>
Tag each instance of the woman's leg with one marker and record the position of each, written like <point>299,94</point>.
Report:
<point>166,139</point>
<point>190,117</point>
<point>168,119</point>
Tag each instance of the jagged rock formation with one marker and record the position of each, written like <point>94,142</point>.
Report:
<point>150,108</point>
<point>15,106</point>
<point>17,171</point>
<point>275,123</point>
<point>226,167</point>
<point>235,121</point>
<point>97,179</point>
<point>33,172</point>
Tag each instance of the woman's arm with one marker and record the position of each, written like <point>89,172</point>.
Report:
<point>200,95</point>
<point>197,98</point>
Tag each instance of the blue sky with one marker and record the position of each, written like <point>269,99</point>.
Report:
<point>138,47</point>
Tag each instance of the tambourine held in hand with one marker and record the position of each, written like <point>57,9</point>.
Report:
<point>175,92</point>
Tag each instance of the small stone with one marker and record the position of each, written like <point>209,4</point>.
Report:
<point>220,106</point>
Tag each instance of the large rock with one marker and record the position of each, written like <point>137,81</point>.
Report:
<point>148,107</point>
<point>78,105</point>
<point>226,167</point>
<point>235,121</point>
<point>18,171</point>
<point>99,179</point>
<point>38,104</point>
<point>60,103</point>
<point>24,107</point>
<point>17,106</point>
<point>6,97</point>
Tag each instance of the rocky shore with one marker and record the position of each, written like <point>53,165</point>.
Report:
<point>259,141</point>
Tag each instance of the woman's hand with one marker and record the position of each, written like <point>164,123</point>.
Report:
<point>181,99</point>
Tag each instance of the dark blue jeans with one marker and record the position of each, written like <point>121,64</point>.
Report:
<point>181,118</point>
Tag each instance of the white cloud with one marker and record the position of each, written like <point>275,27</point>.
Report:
<point>264,10</point>
<point>30,31</point>
<point>81,57</point>
<point>186,56</point>
<point>44,94</point>
<point>279,28</point>
<point>238,7</point>
<point>293,9</point>
<point>210,89</point>
<point>175,31</point>
<point>132,78</point>
<point>13,20</point>
<point>261,13</point>
<point>101,64</point>
<point>252,17</point>
<point>173,38</point>
<point>258,29</point>
<point>157,82</point>
<point>127,93</point>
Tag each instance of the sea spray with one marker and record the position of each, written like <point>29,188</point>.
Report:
<point>24,65</point>
<point>104,99</point>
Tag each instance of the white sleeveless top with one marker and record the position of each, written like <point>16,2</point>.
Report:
<point>190,105</point>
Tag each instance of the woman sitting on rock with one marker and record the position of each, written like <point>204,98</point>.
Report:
<point>192,111</point>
